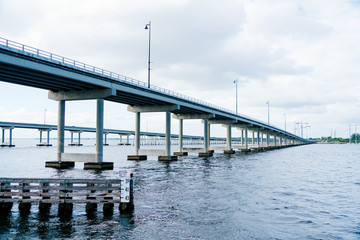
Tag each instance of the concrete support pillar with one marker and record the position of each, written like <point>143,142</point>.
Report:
<point>79,138</point>
<point>48,137</point>
<point>127,140</point>
<point>246,138</point>
<point>228,137</point>
<point>10,137</point>
<point>242,137</point>
<point>267,139</point>
<point>168,134</point>
<point>259,135</point>
<point>181,130</point>
<point>275,140</point>
<point>206,135</point>
<point>40,135</point>
<point>2,135</point>
<point>281,141</point>
<point>60,129</point>
<point>253,138</point>
<point>72,137</point>
<point>137,133</point>
<point>99,129</point>
<point>60,140</point>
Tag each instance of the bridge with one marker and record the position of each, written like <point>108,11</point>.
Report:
<point>70,80</point>
<point>78,130</point>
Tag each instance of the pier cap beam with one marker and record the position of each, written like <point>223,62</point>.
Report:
<point>223,122</point>
<point>194,116</point>
<point>242,126</point>
<point>81,95</point>
<point>153,108</point>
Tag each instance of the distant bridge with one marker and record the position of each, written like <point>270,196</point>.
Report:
<point>68,80</point>
<point>74,129</point>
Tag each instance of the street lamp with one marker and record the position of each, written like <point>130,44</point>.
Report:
<point>148,26</point>
<point>236,81</point>
<point>268,112</point>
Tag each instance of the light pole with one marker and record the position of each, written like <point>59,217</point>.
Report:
<point>268,112</point>
<point>285,120</point>
<point>236,81</point>
<point>148,26</point>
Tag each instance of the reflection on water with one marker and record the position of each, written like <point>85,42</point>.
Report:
<point>308,192</point>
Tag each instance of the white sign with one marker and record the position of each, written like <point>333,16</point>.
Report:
<point>125,185</point>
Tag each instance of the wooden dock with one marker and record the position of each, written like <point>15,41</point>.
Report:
<point>91,192</point>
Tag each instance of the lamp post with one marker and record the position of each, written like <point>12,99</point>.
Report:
<point>148,26</point>
<point>268,112</point>
<point>236,81</point>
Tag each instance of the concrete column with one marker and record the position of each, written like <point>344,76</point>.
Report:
<point>3,136</point>
<point>79,138</point>
<point>168,134</point>
<point>10,140</point>
<point>99,129</point>
<point>48,137</point>
<point>267,139</point>
<point>208,136</point>
<point>137,133</point>
<point>60,129</point>
<point>72,137</point>
<point>206,132</point>
<point>275,140</point>
<point>281,141</point>
<point>242,137</point>
<point>253,138</point>
<point>127,139</point>
<point>40,135</point>
<point>228,137</point>
<point>246,138</point>
<point>181,130</point>
<point>105,136</point>
<point>258,137</point>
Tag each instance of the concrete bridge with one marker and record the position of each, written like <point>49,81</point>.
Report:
<point>149,138</point>
<point>70,80</point>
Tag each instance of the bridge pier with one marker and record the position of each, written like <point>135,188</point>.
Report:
<point>168,156</point>
<point>92,161</point>
<point>47,143</point>
<point>78,143</point>
<point>164,155</point>
<point>3,143</point>
<point>99,164</point>
<point>137,140</point>
<point>181,140</point>
<point>60,140</point>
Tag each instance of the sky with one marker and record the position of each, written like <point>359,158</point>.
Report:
<point>302,56</point>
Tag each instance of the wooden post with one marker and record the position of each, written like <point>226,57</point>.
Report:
<point>24,208</point>
<point>108,208</point>
<point>91,207</point>
<point>5,207</point>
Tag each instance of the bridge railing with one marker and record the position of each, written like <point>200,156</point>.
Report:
<point>108,74</point>
<point>89,68</point>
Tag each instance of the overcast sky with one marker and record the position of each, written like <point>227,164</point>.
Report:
<point>302,56</point>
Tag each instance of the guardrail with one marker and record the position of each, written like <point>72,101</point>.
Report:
<point>99,71</point>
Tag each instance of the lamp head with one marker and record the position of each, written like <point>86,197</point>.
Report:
<point>146,26</point>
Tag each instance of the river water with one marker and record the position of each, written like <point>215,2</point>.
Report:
<point>305,192</point>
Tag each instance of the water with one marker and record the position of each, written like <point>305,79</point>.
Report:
<point>307,192</point>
